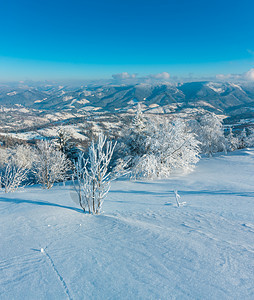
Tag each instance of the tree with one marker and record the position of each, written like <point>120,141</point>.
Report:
<point>232,141</point>
<point>51,165</point>
<point>170,146</point>
<point>65,145</point>
<point>139,121</point>
<point>15,164</point>
<point>12,177</point>
<point>243,140</point>
<point>23,156</point>
<point>92,178</point>
<point>4,156</point>
<point>62,140</point>
<point>210,133</point>
<point>133,144</point>
<point>250,139</point>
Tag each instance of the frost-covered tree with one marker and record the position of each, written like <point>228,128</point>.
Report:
<point>62,140</point>
<point>243,140</point>
<point>24,156</point>
<point>232,141</point>
<point>4,156</point>
<point>92,178</point>
<point>20,155</point>
<point>210,133</point>
<point>170,146</point>
<point>65,145</point>
<point>154,147</point>
<point>15,164</point>
<point>133,144</point>
<point>13,177</point>
<point>51,165</point>
<point>139,121</point>
<point>250,139</point>
<point>136,136</point>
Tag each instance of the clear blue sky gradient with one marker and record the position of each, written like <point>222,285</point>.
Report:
<point>82,39</point>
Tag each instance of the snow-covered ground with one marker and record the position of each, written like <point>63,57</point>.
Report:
<point>142,246</point>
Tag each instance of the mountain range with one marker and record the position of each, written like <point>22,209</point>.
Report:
<point>235,101</point>
<point>226,97</point>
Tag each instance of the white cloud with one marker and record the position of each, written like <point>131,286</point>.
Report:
<point>123,75</point>
<point>133,78</point>
<point>228,76</point>
<point>249,75</point>
<point>163,76</point>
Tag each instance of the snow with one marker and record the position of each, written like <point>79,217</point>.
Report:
<point>153,105</point>
<point>72,130</point>
<point>24,135</point>
<point>133,102</point>
<point>217,87</point>
<point>39,101</point>
<point>142,246</point>
<point>83,101</point>
<point>12,93</point>
<point>237,86</point>
<point>24,110</point>
<point>89,108</point>
<point>67,98</point>
<point>87,93</point>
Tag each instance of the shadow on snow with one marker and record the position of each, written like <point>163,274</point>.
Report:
<point>42,203</point>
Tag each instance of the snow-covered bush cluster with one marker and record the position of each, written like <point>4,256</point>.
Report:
<point>44,163</point>
<point>23,165</point>
<point>157,146</point>
<point>239,140</point>
<point>211,134</point>
<point>50,165</point>
<point>155,149</point>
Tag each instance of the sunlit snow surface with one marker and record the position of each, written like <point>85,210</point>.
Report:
<point>142,246</point>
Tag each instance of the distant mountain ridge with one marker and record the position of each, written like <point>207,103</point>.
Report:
<point>233,100</point>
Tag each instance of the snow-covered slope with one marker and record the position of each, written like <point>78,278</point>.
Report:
<point>142,246</point>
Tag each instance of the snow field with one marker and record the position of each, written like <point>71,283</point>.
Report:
<point>142,246</point>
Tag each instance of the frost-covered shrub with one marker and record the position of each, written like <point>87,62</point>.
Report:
<point>250,139</point>
<point>12,177</point>
<point>23,156</point>
<point>240,140</point>
<point>65,145</point>
<point>170,146</point>
<point>132,144</point>
<point>4,156</point>
<point>51,165</point>
<point>15,164</point>
<point>92,178</point>
<point>210,132</point>
<point>156,147</point>
<point>20,155</point>
<point>232,141</point>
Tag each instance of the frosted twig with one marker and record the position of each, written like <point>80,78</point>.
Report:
<point>178,197</point>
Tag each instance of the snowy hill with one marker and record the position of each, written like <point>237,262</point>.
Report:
<point>228,98</point>
<point>142,246</point>
<point>32,110</point>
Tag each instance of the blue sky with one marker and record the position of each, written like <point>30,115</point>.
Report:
<point>95,39</point>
